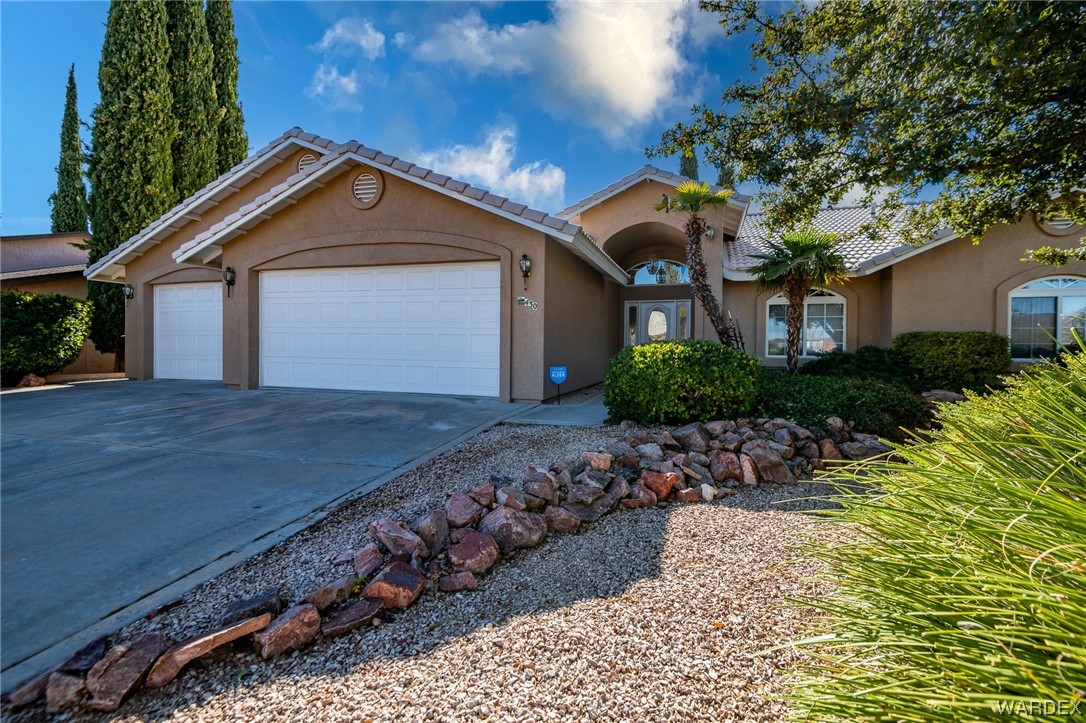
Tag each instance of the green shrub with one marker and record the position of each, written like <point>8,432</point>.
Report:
<point>963,595</point>
<point>867,362</point>
<point>671,382</point>
<point>873,406</point>
<point>955,359</point>
<point>41,334</point>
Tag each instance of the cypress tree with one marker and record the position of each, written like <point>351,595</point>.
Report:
<point>69,202</point>
<point>130,170</point>
<point>195,147</point>
<point>688,166</point>
<point>233,143</point>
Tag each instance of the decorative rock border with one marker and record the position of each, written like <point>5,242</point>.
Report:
<point>446,549</point>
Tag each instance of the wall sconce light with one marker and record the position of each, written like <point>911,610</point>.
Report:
<point>709,231</point>
<point>653,265</point>
<point>229,276</point>
<point>128,292</point>
<point>525,268</point>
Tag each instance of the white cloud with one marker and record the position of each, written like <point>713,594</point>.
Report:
<point>490,165</point>
<point>401,39</point>
<point>340,91</point>
<point>611,65</point>
<point>351,35</point>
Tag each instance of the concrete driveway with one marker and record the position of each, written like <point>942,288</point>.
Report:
<point>117,497</point>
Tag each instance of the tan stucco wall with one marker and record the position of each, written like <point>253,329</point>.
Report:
<point>582,319</point>
<point>90,360</point>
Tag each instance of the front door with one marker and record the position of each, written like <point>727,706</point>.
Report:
<point>647,321</point>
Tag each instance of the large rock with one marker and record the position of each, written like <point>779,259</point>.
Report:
<point>600,461</point>
<point>624,455</point>
<point>30,692</point>
<point>512,497</point>
<point>619,488</point>
<point>397,586</point>
<point>771,468</point>
<point>593,511</point>
<point>688,495</point>
<point>864,446</point>
<point>267,601</point>
<point>477,553</point>
<point>398,538</point>
<point>484,493</point>
<point>535,474</point>
<point>561,520</point>
<point>64,691</point>
<point>362,613</point>
<point>693,437</point>
<point>808,449</point>
<point>30,380</point>
<point>433,528</point>
<point>661,483</point>
<point>291,631</point>
<point>173,660</point>
<point>513,529</point>
<point>119,674</point>
<point>784,451</point>
<point>942,396</point>
<point>462,510</point>
<point>640,496</point>
<point>829,450</point>
<point>667,442</point>
<point>545,488</point>
<point>724,465</point>
<point>750,470</point>
<point>583,494</point>
<point>333,594</point>
<point>368,560</point>
<point>732,442</point>
<point>708,492</point>
<point>457,581</point>
<point>650,451</point>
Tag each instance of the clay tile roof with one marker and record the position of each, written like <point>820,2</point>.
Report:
<point>455,185</point>
<point>645,172</point>
<point>476,193</point>
<point>494,199</point>
<point>48,271</point>
<point>401,165</point>
<point>514,207</point>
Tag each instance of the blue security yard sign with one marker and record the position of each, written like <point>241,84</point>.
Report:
<point>558,374</point>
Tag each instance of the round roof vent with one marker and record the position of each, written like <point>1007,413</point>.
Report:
<point>305,161</point>
<point>1059,223</point>
<point>366,189</point>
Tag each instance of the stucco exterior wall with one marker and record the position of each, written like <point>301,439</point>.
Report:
<point>581,319</point>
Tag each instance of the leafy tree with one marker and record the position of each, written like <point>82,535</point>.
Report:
<point>725,175</point>
<point>233,144</point>
<point>692,198</point>
<point>42,333</point>
<point>130,169</point>
<point>983,100</point>
<point>195,146</point>
<point>795,265</point>
<point>69,202</point>
<point>688,166</point>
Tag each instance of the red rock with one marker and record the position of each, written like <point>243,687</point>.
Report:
<point>330,595</point>
<point>640,496</point>
<point>732,442</point>
<point>771,468</point>
<point>30,380</point>
<point>591,512</point>
<point>121,672</point>
<point>750,470</point>
<point>717,428</point>
<point>583,494</point>
<point>362,613</point>
<point>457,581</point>
<point>829,450</point>
<point>624,455</point>
<point>85,658</point>
<point>544,489</point>
<point>433,528</point>
<point>483,494</point>
<point>368,560</point>
<point>64,691</point>
<point>398,585</point>
<point>291,631</point>
<point>510,496</point>
<point>173,660</point>
<point>457,534</point>
<point>477,552</point>
<point>31,692</point>
<point>666,441</point>
<point>534,504</point>
<point>598,460</point>
<point>618,489</point>
<point>724,465</point>
<point>817,464</point>
<point>462,510</point>
<point>267,601</point>
<point>536,474</point>
<point>688,495</point>
<point>513,529</point>
<point>561,520</point>
<point>693,437</point>
<point>659,482</point>
<point>808,450</point>
<point>398,538</point>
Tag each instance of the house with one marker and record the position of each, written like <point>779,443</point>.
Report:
<point>52,264</point>
<point>316,264</point>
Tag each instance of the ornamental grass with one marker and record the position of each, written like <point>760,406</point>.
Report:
<point>963,595</point>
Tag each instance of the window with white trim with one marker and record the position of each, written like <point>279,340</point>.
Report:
<point>1044,313</point>
<point>823,324</point>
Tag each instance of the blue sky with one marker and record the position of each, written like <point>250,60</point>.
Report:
<point>542,102</point>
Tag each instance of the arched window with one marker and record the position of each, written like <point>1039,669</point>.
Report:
<point>1043,313</point>
<point>660,272</point>
<point>823,324</point>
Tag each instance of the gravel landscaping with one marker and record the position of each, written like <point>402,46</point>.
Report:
<point>651,614</point>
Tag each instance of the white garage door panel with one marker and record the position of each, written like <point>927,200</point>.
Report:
<point>188,331</point>
<point>431,329</point>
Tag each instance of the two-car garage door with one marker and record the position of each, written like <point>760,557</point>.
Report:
<point>424,328</point>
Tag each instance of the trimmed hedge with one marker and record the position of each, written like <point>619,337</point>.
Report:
<point>671,382</point>
<point>955,359</point>
<point>873,406</point>
<point>41,334</point>
<point>867,362</point>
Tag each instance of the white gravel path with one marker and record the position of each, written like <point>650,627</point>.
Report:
<point>648,615</point>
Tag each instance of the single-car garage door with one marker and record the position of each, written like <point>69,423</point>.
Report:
<point>426,328</point>
<point>188,331</point>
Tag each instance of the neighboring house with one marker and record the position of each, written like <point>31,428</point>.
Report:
<point>324,265</point>
<point>50,264</point>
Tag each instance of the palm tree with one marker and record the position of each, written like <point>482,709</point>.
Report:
<point>795,265</point>
<point>693,197</point>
